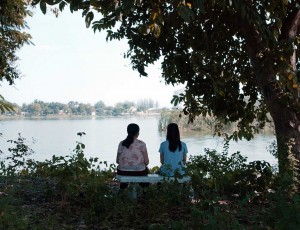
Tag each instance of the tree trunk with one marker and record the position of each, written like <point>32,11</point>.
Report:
<point>287,129</point>
<point>284,110</point>
<point>286,119</point>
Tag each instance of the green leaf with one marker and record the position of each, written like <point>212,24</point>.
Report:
<point>199,4</point>
<point>221,92</point>
<point>43,7</point>
<point>88,19</point>
<point>84,12</point>
<point>127,6</point>
<point>52,2</point>
<point>141,70</point>
<point>74,5</point>
<point>175,100</point>
<point>186,13</point>
<point>81,134</point>
<point>35,2</point>
<point>61,5</point>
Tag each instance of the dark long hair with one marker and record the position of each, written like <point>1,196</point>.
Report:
<point>173,136</point>
<point>132,130</point>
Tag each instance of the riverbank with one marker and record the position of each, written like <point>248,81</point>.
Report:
<point>66,117</point>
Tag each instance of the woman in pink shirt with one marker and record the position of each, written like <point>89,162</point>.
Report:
<point>132,156</point>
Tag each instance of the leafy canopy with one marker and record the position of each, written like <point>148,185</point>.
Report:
<point>208,45</point>
<point>12,15</point>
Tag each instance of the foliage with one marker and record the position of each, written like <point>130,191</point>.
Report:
<point>12,38</point>
<point>215,174</point>
<point>143,104</point>
<point>10,218</point>
<point>175,116</point>
<point>18,160</point>
<point>206,124</point>
<point>289,181</point>
<point>12,15</point>
<point>286,213</point>
<point>73,192</point>
<point>70,179</point>
<point>41,108</point>
<point>5,105</point>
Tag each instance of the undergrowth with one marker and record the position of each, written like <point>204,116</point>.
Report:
<point>73,192</point>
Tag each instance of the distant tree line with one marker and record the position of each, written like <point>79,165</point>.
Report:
<point>40,108</point>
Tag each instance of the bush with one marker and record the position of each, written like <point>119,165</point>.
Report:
<point>228,175</point>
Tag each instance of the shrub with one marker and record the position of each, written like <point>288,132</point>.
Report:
<point>228,175</point>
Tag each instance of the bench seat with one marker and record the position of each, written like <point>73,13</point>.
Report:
<point>150,178</point>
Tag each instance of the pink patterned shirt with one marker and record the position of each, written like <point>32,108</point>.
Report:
<point>132,159</point>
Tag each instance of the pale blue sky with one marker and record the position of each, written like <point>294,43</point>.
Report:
<point>70,62</point>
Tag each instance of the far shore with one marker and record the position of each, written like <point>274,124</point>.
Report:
<point>56,116</point>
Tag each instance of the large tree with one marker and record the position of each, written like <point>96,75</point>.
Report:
<point>238,58</point>
<point>12,38</point>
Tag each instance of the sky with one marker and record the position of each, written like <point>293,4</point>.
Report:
<point>69,62</point>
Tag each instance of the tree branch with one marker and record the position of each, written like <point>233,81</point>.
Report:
<point>290,25</point>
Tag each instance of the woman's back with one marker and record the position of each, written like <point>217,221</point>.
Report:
<point>132,158</point>
<point>172,161</point>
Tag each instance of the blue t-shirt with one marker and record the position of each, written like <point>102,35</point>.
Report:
<point>173,161</point>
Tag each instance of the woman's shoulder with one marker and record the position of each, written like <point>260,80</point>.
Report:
<point>183,143</point>
<point>140,142</point>
<point>164,143</point>
<point>184,146</point>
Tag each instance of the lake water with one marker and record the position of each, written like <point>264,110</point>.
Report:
<point>59,136</point>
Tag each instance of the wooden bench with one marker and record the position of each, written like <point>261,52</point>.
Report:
<point>150,178</point>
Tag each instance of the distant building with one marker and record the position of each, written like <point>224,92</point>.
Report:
<point>61,112</point>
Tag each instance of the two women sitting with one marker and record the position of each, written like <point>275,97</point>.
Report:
<point>132,155</point>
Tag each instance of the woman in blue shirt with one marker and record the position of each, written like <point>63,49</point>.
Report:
<point>173,152</point>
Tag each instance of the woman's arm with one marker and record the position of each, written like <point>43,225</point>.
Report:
<point>119,151</point>
<point>185,151</point>
<point>184,159</point>
<point>146,158</point>
<point>161,158</point>
<point>117,160</point>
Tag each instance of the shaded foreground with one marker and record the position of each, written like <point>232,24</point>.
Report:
<point>78,193</point>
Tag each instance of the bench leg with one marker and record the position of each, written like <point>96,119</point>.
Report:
<point>133,194</point>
